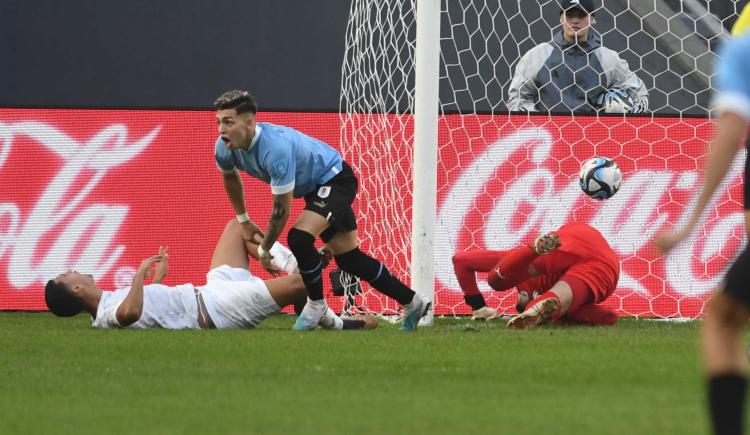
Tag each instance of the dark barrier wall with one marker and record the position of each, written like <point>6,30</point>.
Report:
<point>183,53</point>
<point>171,53</point>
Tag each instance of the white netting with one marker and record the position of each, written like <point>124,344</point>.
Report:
<point>503,178</point>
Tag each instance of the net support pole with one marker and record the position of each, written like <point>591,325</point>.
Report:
<point>424,207</point>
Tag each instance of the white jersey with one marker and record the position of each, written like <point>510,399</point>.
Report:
<point>163,307</point>
<point>234,298</point>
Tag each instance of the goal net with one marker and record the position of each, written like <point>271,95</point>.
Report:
<point>505,177</point>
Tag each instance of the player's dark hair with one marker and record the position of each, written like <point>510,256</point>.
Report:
<point>241,101</point>
<point>60,300</point>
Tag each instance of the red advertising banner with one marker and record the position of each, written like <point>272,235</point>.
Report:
<point>99,190</point>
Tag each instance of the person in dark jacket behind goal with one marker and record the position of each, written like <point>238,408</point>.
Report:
<point>574,72</point>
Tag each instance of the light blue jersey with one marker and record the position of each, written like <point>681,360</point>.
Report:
<point>733,77</point>
<point>284,158</point>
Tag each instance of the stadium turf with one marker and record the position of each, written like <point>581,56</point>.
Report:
<point>59,376</point>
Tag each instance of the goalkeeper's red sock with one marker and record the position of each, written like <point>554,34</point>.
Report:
<point>595,315</point>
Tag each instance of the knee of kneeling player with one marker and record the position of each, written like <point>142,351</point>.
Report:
<point>299,239</point>
<point>497,283</point>
<point>459,259</point>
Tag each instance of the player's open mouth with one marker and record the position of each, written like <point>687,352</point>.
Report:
<point>227,142</point>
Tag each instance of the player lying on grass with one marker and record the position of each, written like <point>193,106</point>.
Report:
<point>231,298</point>
<point>567,272</point>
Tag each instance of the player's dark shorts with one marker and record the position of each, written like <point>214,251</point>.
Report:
<point>737,281</point>
<point>333,200</point>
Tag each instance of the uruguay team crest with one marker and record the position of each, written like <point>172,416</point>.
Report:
<point>324,191</point>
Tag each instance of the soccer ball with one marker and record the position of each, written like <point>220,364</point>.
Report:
<point>600,178</point>
<point>616,102</point>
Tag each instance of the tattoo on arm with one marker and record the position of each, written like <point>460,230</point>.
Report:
<point>279,216</point>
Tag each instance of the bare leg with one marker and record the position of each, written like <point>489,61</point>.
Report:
<point>287,290</point>
<point>231,249</point>
<point>725,363</point>
<point>723,350</point>
<point>343,242</point>
<point>722,336</point>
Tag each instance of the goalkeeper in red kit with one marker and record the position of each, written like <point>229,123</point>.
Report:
<point>564,276</point>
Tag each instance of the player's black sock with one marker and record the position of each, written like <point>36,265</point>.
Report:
<point>302,245</point>
<point>726,402</point>
<point>475,301</point>
<point>299,306</point>
<point>371,270</point>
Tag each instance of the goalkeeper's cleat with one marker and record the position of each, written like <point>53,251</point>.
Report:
<point>537,315</point>
<point>311,315</point>
<point>413,311</point>
<point>484,313</point>
<point>361,322</point>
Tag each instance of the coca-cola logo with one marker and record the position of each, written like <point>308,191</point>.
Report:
<point>628,221</point>
<point>60,215</point>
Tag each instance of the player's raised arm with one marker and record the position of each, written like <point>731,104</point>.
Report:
<point>235,192</point>
<point>162,267</point>
<point>730,128</point>
<point>131,308</point>
<point>280,163</point>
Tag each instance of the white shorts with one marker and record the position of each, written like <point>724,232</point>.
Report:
<point>235,298</point>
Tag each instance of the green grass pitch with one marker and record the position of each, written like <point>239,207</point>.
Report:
<point>58,376</point>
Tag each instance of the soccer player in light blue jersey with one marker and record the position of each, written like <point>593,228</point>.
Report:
<point>298,166</point>
<point>725,360</point>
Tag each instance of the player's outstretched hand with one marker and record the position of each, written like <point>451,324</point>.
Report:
<point>546,243</point>
<point>162,266</point>
<point>251,233</point>
<point>145,267</point>
<point>265,261</point>
<point>665,242</point>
